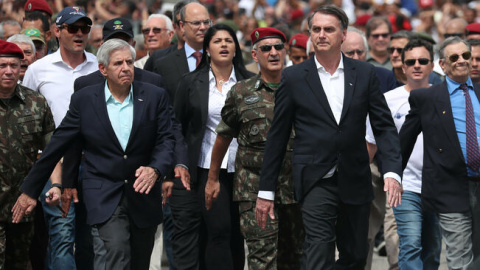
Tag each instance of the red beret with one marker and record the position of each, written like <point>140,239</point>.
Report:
<point>266,32</point>
<point>297,13</point>
<point>299,40</point>
<point>472,28</point>
<point>42,5</point>
<point>9,49</point>
<point>362,20</point>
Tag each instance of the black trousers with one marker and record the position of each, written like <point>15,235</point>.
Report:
<point>327,222</point>
<point>127,246</point>
<point>206,239</point>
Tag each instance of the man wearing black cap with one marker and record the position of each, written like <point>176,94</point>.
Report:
<point>26,124</point>
<point>279,246</point>
<point>53,76</point>
<point>327,99</point>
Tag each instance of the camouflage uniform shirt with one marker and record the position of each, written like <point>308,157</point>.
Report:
<point>26,124</point>
<point>247,116</point>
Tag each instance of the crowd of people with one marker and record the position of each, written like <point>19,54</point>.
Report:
<point>304,130</point>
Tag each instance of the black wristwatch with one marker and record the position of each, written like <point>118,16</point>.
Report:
<point>58,186</point>
<point>157,172</point>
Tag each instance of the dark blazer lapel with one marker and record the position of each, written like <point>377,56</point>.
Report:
<point>182,63</point>
<point>203,89</point>
<point>315,84</point>
<point>350,78</point>
<point>138,109</point>
<point>101,110</point>
<point>443,108</point>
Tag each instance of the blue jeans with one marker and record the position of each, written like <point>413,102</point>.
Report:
<point>419,232</point>
<point>61,233</point>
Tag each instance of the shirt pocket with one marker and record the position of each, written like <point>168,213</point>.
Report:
<point>254,126</point>
<point>29,128</point>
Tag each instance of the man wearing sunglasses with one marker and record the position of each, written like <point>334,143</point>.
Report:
<point>157,34</point>
<point>327,99</point>
<point>53,77</point>
<point>378,31</point>
<point>448,115</point>
<point>416,230</point>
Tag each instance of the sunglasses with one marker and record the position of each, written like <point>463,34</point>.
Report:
<point>73,29</point>
<point>353,52</point>
<point>393,49</point>
<point>422,61</point>
<point>267,48</point>
<point>454,57</point>
<point>384,35</point>
<point>453,35</point>
<point>155,30</point>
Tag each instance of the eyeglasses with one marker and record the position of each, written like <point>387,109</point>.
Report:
<point>155,30</point>
<point>453,35</point>
<point>393,49</point>
<point>353,52</point>
<point>199,23</point>
<point>267,48</point>
<point>73,29</point>
<point>454,57</point>
<point>384,35</point>
<point>422,61</point>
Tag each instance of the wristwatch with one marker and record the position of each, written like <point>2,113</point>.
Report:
<point>58,186</point>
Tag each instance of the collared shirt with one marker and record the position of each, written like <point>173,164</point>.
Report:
<point>387,64</point>
<point>192,61</point>
<point>120,115</point>
<point>457,99</point>
<point>54,79</point>
<point>216,101</point>
<point>140,63</point>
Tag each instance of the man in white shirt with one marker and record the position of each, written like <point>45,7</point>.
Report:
<point>53,77</point>
<point>418,230</point>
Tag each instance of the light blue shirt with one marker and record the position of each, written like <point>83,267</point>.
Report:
<point>120,115</point>
<point>457,100</point>
<point>192,61</point>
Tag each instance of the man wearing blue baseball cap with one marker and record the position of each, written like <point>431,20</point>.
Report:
<point>53,76</point>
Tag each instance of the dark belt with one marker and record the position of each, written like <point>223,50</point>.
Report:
<point>474,179</point>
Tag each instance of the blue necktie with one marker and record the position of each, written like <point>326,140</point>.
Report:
<point>473,155</point>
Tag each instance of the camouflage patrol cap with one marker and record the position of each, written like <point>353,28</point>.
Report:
<point>34,34</point>
<point>266,32</point>
<point>9,49</point>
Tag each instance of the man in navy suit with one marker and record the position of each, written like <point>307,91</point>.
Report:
<point>327,99</point>
<point>125,128</point>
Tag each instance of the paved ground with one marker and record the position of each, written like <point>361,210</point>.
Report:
<point>379,263</point>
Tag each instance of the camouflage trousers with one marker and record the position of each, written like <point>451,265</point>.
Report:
<point>15,244</point>
<point>279,245</point>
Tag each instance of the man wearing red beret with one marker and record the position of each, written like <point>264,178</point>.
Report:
<point>26,124</point>
<point>247,115</point>
<point>297,50</point>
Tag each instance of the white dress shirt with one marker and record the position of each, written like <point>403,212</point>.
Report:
<point>216,101</point>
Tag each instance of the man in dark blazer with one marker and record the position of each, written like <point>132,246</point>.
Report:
<point>451,178</point>
<point>327,99</point>
<point>124,159</point>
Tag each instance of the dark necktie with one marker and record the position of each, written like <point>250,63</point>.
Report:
<point>473,155</point>
<point>198,57</point>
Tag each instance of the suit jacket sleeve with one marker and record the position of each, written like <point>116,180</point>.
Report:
<point>384,129</point>
<point>411,128</point>
<point>278,135</point>
<point>64,135</point>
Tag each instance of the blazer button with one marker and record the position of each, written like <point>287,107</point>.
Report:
<point>440,150</point>
<point>126,181</point>
<point>125,157</point>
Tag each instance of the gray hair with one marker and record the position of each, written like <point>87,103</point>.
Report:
<point>9,22</point>
<point>111,45</point>
<point>360,32</point>
<point>403,34</point>
<point>21,38</point>
<point>168,21</point>
<point>95,27</point>
<point>450,41</point>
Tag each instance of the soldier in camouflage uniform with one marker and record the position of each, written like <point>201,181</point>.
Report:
<point>26,125</point>
<point>247,116</point>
